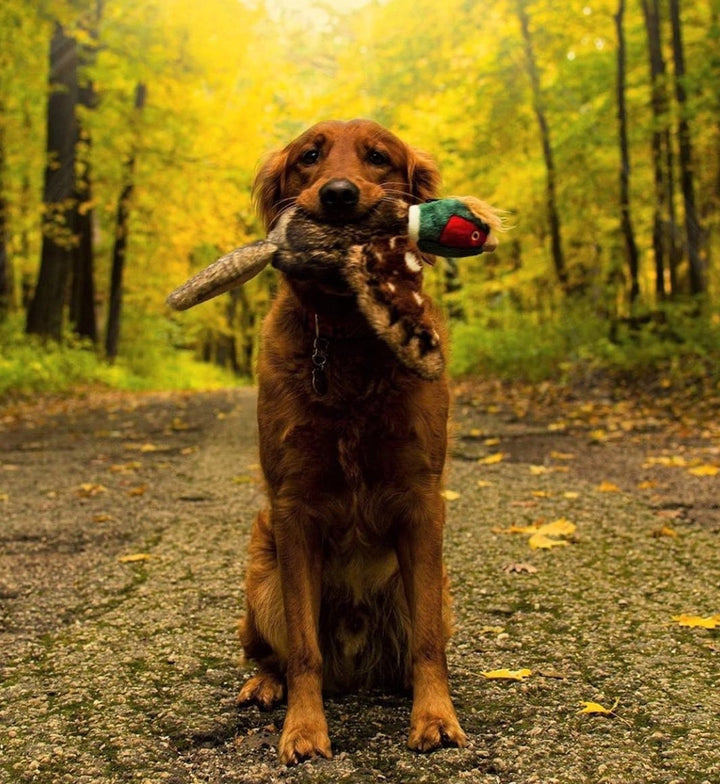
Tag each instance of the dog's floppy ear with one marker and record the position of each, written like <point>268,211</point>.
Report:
<point>423,176</point>
<point>269,187</point>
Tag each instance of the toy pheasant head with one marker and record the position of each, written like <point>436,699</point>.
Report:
<point>454,226</point>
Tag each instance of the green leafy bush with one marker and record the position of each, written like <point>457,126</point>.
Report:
<point>30,366</point>
<point>675,341</point>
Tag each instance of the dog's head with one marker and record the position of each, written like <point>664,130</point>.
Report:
<point>337,172</point>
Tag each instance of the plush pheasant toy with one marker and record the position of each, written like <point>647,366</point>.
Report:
<point>376,257</point>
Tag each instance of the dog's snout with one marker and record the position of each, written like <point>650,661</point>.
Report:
<point>339,195</point>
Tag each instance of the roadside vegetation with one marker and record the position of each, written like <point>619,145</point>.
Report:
<point>130,134</point>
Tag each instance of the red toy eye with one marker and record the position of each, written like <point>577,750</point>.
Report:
<point>475,236</point>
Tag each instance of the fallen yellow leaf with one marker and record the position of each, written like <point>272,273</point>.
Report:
<point>696,621</point>
<point>140,490</point>
<point>541,542</point>
<point>484,483</point>
<point>497,457</point>
<point>134,558</point>
<point>559,527</point>
<point>704,470</point>
<point>667,461</point>
<point>4,497</point>
<point>101,517</point>
<point>664,531</point>
<point>450,495</point>
<point>510,675</point>
<point>88,489</point>
<point>571,495</point>
<point>562,455</point>
<point>608,487</point>
<point>596,707</point>
<point>125,468</point>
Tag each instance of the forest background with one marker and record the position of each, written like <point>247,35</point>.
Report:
<point>131,130</point>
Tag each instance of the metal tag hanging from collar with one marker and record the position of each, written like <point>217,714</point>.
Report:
<point>321,347</point>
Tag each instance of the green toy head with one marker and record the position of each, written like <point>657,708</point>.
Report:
<point>454,227</point>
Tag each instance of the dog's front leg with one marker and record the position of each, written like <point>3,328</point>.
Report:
<point>299,553</point>
<point>433,720</point>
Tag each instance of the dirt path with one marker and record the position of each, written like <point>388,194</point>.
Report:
<point>122,536</point>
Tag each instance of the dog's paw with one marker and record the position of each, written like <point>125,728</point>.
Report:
<point>428,732</point>
<point>264,689</point>
<point>303,740</point>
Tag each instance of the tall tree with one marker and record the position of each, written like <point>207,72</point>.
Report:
<point>625,217</point>
<point>663,232</point>
<point>82,297</point>
<point>687,181</point>
<point>112,333</point>
<point>82,294</point>
<point>45,314</point>
<point>7,283</point>
<point>550,172</point>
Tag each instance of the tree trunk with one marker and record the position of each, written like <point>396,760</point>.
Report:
<point>7,281</point>
<point>453,287</point>
<point>552,211</point>
<point>659,104</point>
<point>692,226</point>
<point>672,229</point>
<point>112,333</point>
<point>82,298</point>
<point>625,217</point>
<point>45,314</point>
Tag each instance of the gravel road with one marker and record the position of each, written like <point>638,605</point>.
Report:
<point>124,520</point>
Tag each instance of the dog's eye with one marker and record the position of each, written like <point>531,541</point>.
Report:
<point>310,157</point>
<point>377,158</point>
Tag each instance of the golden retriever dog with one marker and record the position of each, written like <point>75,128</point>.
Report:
<point>346,586</point>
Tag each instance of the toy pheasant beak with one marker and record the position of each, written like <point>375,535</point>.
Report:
<point>454,227</point>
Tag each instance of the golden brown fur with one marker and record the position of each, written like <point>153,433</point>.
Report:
<point>345,583</point>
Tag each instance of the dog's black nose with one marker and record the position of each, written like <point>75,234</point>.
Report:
<point>339,196</point>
